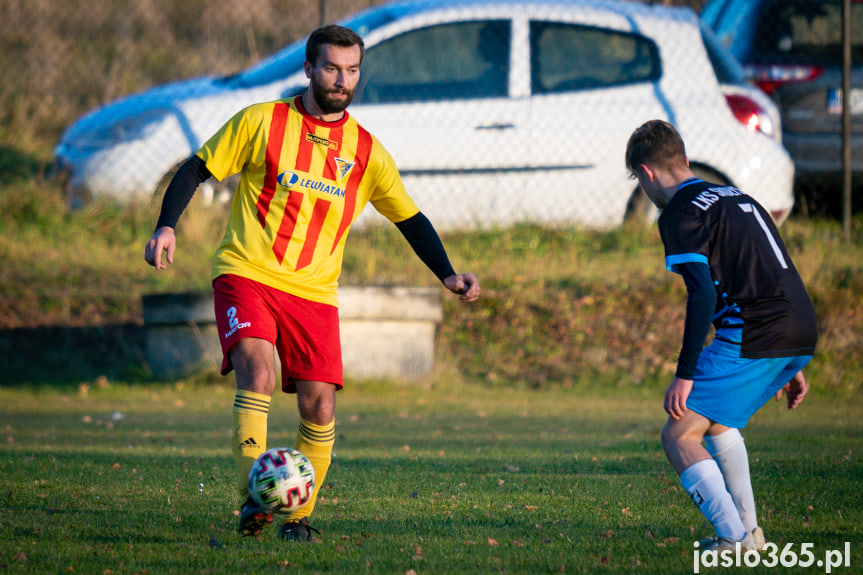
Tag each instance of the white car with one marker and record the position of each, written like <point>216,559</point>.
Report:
<point>496,111</point>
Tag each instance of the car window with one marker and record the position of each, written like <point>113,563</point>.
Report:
<point>806,30</point>
<point>290,60</point>
<point>450,61</point>
<point>731,20</point>
<point>567,57</point>
<point>726,68</point>
<point>713,11</point>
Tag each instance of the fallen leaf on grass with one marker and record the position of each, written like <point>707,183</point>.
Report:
<point>493,543</point>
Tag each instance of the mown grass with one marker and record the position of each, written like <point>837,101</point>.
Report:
<point>435,479</point>
<point>533,447</point>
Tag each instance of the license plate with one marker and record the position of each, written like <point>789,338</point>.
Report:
<point>834,101</point>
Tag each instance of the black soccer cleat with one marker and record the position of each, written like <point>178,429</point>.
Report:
<point>253,519</point>
<point>297,530</point>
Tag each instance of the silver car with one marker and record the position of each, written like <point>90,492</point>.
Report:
<point>496,111</point>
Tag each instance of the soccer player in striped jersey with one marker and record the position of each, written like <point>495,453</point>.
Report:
<point>307,170</point>
<point>740,277</point>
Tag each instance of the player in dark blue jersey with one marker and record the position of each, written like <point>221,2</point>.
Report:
<point>739,277</point>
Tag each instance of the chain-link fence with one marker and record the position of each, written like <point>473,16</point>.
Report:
<point>499,114</point>
<point>793,50</point>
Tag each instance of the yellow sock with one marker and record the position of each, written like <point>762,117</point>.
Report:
<point>316,443</point>
<point>249,438</point>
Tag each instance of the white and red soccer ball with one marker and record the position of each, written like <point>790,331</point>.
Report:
<point>281,480</point>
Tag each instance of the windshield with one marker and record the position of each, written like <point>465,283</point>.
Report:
<point>290,59</point>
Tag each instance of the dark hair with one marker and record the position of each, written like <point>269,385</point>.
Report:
<point>335,35</point>
<point>655,142</point>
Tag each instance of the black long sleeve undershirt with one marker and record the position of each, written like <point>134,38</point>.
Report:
<point>424,240</point>
<point>189,176</point>
<point>700,306</point>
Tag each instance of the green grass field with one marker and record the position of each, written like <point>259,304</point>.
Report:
<point>532,448</point>
<point>427,479</point>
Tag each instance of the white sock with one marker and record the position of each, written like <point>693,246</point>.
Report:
<point>703,482</point>
<point>729,452</point>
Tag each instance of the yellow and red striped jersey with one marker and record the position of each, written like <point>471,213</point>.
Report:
<point>303,182</point>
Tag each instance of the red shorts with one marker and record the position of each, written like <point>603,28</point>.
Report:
<point>305,333</point>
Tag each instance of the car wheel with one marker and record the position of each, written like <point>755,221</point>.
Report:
<point>212,191</point>
<point>639,209</point>
<point>159,190</point>
<point>215,192</point>
<point>708,174</point>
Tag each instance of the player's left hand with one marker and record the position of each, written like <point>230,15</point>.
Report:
<point>163,240</point>
<point>464,284</point>
<point>795,390</point>
<point>676,396</point>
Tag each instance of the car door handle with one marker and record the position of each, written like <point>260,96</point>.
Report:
<point>496,126</point>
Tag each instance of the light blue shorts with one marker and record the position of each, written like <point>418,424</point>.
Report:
<point>729,389</point>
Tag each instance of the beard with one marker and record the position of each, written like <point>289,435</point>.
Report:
<point>328,104</point>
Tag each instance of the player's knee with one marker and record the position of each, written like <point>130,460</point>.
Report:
<point>255,377</point>
<point>667,437</point>
<point>316,402</point>
<point>673,434</point>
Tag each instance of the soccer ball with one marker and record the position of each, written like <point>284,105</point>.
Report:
<point>281,480</point>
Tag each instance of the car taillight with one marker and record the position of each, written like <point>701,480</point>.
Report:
<point>750,114</point>
<point>768,78</point>
<point>779,216</point>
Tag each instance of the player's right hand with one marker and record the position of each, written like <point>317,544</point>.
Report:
<point>675,397</point>
<point>162,241</point>
<point>465,285</point>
